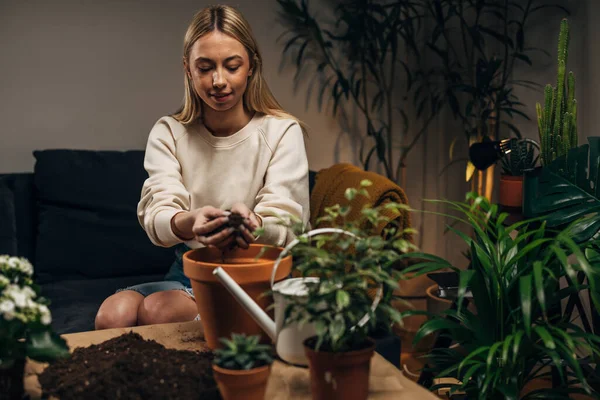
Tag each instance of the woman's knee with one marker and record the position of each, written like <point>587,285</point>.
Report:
<point>166,306</point>
<point>119,310</point>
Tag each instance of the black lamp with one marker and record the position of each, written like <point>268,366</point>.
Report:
<point>485,154</point>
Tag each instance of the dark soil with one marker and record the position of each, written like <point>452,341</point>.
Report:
<point>235,220</point>
<point>130,367</point>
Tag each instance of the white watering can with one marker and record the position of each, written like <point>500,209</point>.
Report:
<point>289,339</point>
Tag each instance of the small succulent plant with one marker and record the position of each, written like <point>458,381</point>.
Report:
<point>519,159</point>
<point>243,352</point>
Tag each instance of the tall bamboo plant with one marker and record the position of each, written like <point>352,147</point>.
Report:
<point>518,329</point>
<point>360,59</point>
<point>557,120</point>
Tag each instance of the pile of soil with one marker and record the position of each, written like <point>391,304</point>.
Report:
<point>130,367</point>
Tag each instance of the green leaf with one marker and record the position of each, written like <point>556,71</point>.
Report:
<point>545,336</point>
<point>539,285</point>
<point>525,291</point>
<point>342,298</point>
<point>562,192</point>
<point>46,346</point>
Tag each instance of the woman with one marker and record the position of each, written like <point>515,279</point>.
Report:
<point>229,147</point>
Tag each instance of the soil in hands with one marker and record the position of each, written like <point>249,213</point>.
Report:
<point>130,367</point>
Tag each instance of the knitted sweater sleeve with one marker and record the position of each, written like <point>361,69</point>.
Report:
<point>285,190</point>
<point>163,193</point>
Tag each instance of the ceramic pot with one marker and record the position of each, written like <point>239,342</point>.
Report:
<point>220,312</point>
<point>242,384</point>
<point>11,381</point>
<point>339,376</point>
<point>510,192</point>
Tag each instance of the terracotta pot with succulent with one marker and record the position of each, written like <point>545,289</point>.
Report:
<point>354,269</point>
<point>24,326</point>
<point>242,367</point>
<point>520,277</point>
<point>514,165</point>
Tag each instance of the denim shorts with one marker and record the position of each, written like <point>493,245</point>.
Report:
<point>173,280</point>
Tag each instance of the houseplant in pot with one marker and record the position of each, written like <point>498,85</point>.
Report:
<point>518,332</point>
<point>354,268</point>
<point>566,187</point>
<point>24,326</point>
<point>520,159</point>
<point>242,367</point>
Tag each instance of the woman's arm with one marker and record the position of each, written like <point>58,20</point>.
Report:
<point>163,194</point>
<point>285,191</point>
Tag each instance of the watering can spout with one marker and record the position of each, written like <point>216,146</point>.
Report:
<point>257,313</point>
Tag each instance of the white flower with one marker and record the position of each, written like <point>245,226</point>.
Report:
<point>30,304</point>
<point>7,306</point>
<point>44,309</point>
<point>20,264</point>
<point>27,291</point>
<point>4,281</point>
<point>20,299</point>
<point>26,267</point>
<point>46,319</point>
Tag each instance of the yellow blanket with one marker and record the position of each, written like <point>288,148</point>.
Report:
<point>331,184</point>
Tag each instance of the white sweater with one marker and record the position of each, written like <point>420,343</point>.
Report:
<point>264,166</point>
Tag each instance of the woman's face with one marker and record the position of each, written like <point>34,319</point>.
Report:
<point>219,67</point>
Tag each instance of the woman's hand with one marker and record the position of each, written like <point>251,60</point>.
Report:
<point>251,222</point>
<point>205,225</point>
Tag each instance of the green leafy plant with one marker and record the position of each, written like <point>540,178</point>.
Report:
<point>358,58</point>
<point>567,190</point>
<point>521,158</point>
<point>243,352</point>
<point>557,120</point>
<point>518,329</point>
<point>24,317</point>
<point>354,268</point>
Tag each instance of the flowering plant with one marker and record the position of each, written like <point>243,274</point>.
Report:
<point>24,317</point>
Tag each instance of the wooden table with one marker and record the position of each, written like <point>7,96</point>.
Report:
<point>285,382</point>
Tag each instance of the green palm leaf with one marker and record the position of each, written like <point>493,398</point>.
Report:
<point>564,192</point>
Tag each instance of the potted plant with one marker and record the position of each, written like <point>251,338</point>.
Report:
<point>242,367</point>
<point>519,331</point>
<point>520,159</point>
<point>569,172</point>
<point>354,268</point>
<point>24,326</point>
<point>557,118</point>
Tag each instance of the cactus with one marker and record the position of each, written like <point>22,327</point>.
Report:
<point>557,119</point>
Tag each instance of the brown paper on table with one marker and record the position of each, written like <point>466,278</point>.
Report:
<point>285,381</point>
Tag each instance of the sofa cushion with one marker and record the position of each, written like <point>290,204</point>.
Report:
<point>74,303</point>
<point>87,222</point>
<point>17,215</point>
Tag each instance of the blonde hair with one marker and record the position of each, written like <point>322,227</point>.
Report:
<point>258,96</point>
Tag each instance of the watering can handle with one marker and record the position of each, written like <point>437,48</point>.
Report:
<point>320,231</point>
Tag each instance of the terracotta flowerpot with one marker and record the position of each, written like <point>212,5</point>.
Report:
<point>435,304</point>
<point>511,191</point>
<point>242,384</point>
<point>220,312</point>
<point>11,381</point>
<point>339,376</point>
